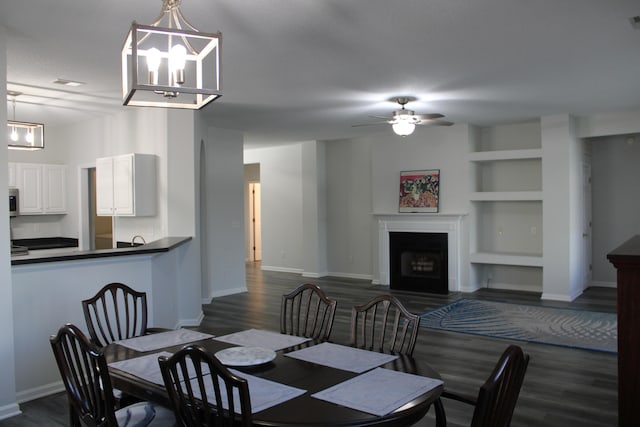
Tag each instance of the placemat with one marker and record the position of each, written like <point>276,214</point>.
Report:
<point>378,392</point>
<point>264,393</point>
<point>145,367</point>
<point>259,338</point>
<point>163,339</point>
<point>342,357</point>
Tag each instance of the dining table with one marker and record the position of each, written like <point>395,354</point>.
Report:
<point>302,383</point>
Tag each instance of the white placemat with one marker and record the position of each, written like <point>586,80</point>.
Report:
<point>145,367</point>
<point>378,392</point>
<point>260,338</point>
<point>342,357</point>
<point>163,339</point>
<point>264,393</point>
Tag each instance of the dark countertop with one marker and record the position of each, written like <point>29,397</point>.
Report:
<point>164,244</point>
<point>47,243</point>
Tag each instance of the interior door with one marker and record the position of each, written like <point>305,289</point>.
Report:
<point>255,218</point>
<point>586,226</point>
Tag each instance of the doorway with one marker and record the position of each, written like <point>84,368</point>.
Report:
<point>255,222</point>
<point>101,227</point>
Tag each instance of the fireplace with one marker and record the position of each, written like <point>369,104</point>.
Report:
<point>419,262</point>
<point>449,224</point>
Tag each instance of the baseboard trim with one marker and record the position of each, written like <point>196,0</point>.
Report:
<point>225,292</point>
<point>8,411</point>
<point>38,392</point>
<point>352,276</point>
<point>315,275</point>
<point>190,322</point>
<point>282,269</point>
<point>558,297</point>
<point>604,284</point>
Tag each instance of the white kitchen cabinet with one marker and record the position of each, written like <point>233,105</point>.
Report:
<point>12,174</point>
<point>126,185</point>
<point>42,188</point>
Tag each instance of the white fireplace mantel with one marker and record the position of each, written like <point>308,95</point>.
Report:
<point>417,223</point>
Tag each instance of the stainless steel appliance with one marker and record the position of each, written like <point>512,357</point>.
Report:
<point>13,202</point>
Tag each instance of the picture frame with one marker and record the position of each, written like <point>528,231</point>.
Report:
<point>420,191</point>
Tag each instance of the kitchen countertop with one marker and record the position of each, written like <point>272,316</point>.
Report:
<point>164,244</point>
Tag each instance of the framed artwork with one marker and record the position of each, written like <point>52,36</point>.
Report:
<point>419,191</point>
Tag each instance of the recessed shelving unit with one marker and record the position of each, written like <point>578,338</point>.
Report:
<point>506,259</point>
<point>506,206</point>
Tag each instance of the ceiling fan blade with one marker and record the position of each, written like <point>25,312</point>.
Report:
<point>370,124</point>
<point>382,117</point>
<point>435,123</point>
<point>428,116</point>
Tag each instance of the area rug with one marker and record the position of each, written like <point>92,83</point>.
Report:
<point>588,330</point>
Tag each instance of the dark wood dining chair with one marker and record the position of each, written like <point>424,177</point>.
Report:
<point>497,398</point>
<point>201,390</point>
<point>115,313</point>
<point>85,375</point>
<point>307,312</point>
<point>384,324</point>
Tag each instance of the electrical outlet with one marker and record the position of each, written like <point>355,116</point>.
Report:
<point>534,230</point>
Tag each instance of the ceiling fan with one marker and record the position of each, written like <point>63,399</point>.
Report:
<point>404,121</point>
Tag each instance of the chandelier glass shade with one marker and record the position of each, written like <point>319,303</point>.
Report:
<point>170,63</point>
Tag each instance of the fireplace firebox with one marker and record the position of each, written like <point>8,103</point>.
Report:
<point>418,262</point>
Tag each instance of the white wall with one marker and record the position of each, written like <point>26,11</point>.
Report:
<point>350,226</point>
<point>614,170</point>
<point>8,405</point>
<point>557,173</point>
<point>281,186</point>
<point>362,178</point>
<point>223,213</point>
<point>314,208</point>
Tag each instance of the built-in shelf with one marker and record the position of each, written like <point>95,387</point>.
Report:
<point>498,196</point>
<point>506,207</point>
<point>490,156</point>
<point>506,259</point>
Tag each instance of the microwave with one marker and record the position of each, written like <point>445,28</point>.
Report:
<point>13,202</point>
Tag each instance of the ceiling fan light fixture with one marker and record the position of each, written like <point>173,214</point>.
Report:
<point>170,63</point>
<point>403,127</point>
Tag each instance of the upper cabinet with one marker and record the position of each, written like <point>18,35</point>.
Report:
<point>42,188</point>
<point>126,185</point>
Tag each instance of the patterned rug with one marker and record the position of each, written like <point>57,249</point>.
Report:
<point>544,325</point>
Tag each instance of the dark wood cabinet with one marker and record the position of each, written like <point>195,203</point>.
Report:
<point>626,259</point>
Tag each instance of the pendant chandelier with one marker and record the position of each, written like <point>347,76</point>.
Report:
<point>24,135</point>
<point>170,63</point>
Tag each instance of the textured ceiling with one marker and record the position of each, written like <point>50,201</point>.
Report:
<point>297,70</point>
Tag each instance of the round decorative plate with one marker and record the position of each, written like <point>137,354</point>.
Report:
<point>245,356</point>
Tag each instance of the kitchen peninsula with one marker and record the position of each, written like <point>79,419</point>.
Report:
<point>161,245</point>
<point>49,285</point>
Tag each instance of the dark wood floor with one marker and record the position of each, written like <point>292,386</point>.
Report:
<point>563,387</point>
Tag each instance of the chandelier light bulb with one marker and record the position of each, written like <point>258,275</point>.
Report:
<point>177,62</point>
<point>403,128</point>
<point>14,134</point>
<point>29,137</point>
<point>153,64</point>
